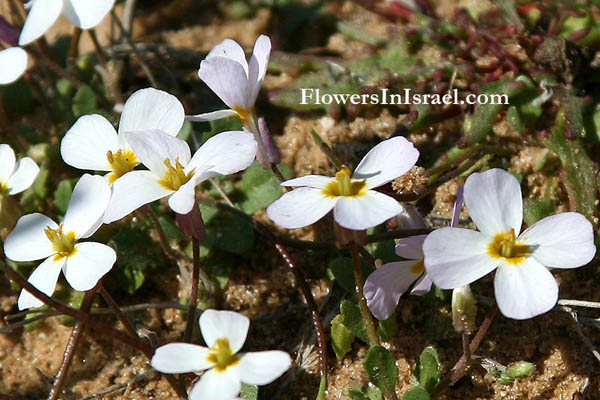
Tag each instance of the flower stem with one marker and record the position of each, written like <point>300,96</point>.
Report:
<point>463,363</point>
<point>87,319</point>
<point>362,302</point>
<point>191,316</point>
<point>76,334</point>
<point>118,312</point>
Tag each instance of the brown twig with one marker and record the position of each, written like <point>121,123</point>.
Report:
<point>119,313</point>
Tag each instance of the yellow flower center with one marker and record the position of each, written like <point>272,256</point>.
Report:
<point>121,163</point>
<point>505,246</point>
<point>62,243</point>
<point>344,185</point>
<point>221,354</point>
<point>418,268</point>
<point>175,176</point>
<point>244,114</point>
<point>4,188</point>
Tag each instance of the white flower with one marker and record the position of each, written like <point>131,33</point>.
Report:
<point>354,202</point>
<point>36,236</point>
<point>237,82</point>
<point>92,143</point>
<point>84,14</point>
<point>387,284</point>
<point>15,176</point>
<point>14,62</point>
<point>225,333</point>
<point>172,170</point>
<point>523,285</point>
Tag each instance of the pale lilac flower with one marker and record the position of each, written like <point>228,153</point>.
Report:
<point>93,144</point>
<point>384,287</point>
<point>237,82</point>
<point>355,203</point>
<point>13,62</point>
<point>523,286</point>
<point>84,14</point>
<point>225,369</point>
<point>36,236</point>
<point>15,176</point>
<point>173,172</point>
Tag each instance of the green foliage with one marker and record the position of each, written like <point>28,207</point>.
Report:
<point>343,272</point>
<point>534,210</point>
<point>62,195</point>
<point>249,392</point>
<point>84,101</point>
<point>231,233</point>
<point>381,369</point>
<point>388,327</point>
<point>429,369</point>
<point>416,393</point>
<point>341,337</point>
<point>352,319</point>
<point>507,375</point>
<point>580,177</point>
<point>369,393</point>
<point>222,125</point>
<point>322,388</point>
<point>135,256</point>
<point>260,187</point>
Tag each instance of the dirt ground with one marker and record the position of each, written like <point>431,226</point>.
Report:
<point>263,288</point>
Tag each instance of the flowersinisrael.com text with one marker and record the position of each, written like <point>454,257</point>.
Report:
<point>314,96</point>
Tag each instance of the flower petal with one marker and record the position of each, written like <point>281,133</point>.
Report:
<point>224,324</point>
<point>300,207</point>
<point>41,16</point>
<point>386,161</point>
<point>86,144</point>
<point>131,191</point>
<point>525,290</point>
<point>562,241</point>
<point>153,147</point>
<point>262,367</point>
<point>88,263</point>
<point>43,278</point>
<point>423,286</point>
<point>365,211</point>
<point>211,116</point>
<point>225,153</point>
<point>386,284</point>
<point>493,199</point>
<point>28,242</point>
<point>229,49</point>
<point>152,109</point>
<point>7,162</point>
<point>89,200</point>
<point>216,385</point>
<point>258,65</point>
<point>179,358</point>
<point>456,257</point>
<point>411,247</point>
<point>86,14</point>
<point>184,198</point>
<point>14,63</point>
<point>313,181</point>
<point>410,218</point>
<point>227,79</point>
<point>458,203</point>
<point>24,175</point>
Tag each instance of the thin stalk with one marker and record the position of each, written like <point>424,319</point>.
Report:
<point>87,319</point>
<point>362,302</point>
<point>460,368</point>
<point>118,312</point>
<point>162,238</point>
<point>191,316</point>
<point>99,52</point>
<point>74,48</point>
<point>76,334</point>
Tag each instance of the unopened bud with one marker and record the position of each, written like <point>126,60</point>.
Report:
<point>520,369</point>
<point>345,235</point>
<point>410,218</point>
<point>270,146</point>
<point>464,310</point>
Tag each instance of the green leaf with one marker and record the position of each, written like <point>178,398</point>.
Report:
<point>260,187</point>
<point>534,210</point>
<point>381,369</point>
<point>249,392</point>
<point>231,233</point>
<point>353,320</point>
<point>62,195</point>
<point>322,388</point>
<point>170,228</point>
<point>416,393</point>
<point>343,272</point>
<point>429,368</point>
<point>372,393</point>
<point>208,213</point>
<point>84,101</point>
<point>222,125</point>
<point>388,327</point>
<point>186,130</point>
<point>341,337</point>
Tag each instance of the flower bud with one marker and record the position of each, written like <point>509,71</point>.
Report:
<point>464,310</point>
<point>520,369</point>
